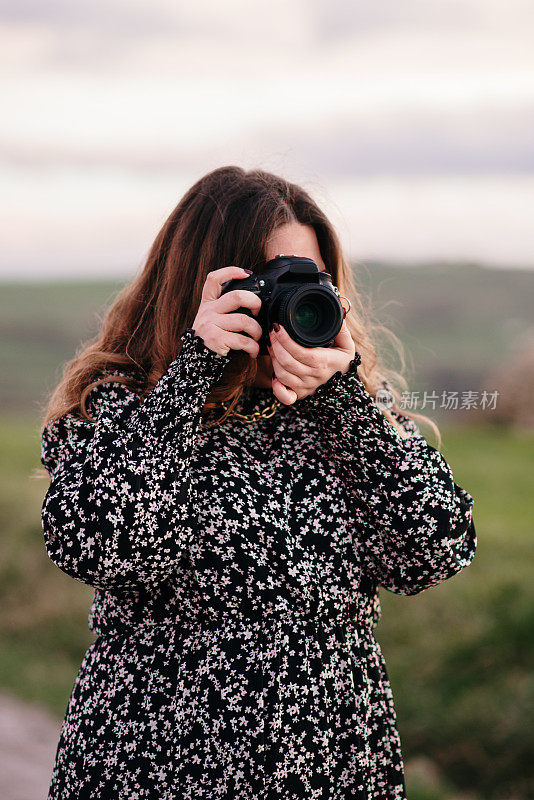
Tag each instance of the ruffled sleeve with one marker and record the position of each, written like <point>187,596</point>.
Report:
<point>119,512</point>
<point>413,524</point>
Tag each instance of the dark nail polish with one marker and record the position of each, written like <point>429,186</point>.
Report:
<point>276,326</point>
<point>249,271</point>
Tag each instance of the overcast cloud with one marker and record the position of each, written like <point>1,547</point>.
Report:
<point>389,112</point>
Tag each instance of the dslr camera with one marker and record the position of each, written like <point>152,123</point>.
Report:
<point>296,294</point>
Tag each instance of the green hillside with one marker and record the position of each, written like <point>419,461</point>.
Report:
<point>457,323</point>
<point>41,326</point>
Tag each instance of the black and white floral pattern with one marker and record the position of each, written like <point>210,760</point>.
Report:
<point>236,572</point>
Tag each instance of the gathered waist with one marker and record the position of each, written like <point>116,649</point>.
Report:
<point>106,618</point>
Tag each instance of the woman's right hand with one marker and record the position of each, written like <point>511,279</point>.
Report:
<point>216,325</point>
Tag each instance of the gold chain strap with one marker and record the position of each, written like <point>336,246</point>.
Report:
<point>254,417</point>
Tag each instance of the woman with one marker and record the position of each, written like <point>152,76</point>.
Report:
<point>235,514</point>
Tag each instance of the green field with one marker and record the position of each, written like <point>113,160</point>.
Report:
<point>460,655</point>
<point>458,323</point>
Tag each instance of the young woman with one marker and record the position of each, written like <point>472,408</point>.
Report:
<point>236,514</point>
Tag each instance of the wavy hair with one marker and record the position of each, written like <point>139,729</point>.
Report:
<point>225,218</point>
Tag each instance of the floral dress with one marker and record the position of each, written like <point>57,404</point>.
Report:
<point>236,572</point>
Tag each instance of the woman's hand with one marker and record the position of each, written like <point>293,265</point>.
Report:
<point>213,322</point>
<point>298,371</point>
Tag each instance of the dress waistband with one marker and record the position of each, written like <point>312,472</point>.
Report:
<point>360,612</point>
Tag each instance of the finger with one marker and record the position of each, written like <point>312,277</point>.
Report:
<point>237,341</point>
<point>290,364</point>
<point>313,356</point>
<point>241,323</point>
<point>237,298</point>
<point>305,355</point>
<point>213,285</point>
<point>344,339</point>
<point>290,380</point>
<point>227,340</point>
<point>282,392</point>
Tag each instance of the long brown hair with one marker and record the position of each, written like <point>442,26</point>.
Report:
<point>225,218</point>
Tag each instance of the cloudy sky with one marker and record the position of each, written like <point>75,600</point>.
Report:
<point>411,123</point>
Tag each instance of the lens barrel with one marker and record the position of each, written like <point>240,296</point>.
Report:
<point>311,314</point>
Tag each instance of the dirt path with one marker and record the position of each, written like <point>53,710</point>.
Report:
<point>28,740</point>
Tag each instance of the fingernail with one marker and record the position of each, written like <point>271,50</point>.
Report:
<point>248,271</point>
<point>276,326</point>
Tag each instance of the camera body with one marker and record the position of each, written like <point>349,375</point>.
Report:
<point>296,294</point>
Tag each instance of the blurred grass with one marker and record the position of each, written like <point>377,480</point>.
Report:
<point>41,326</point>
<point>460,656</point>
<point>43,625</point>
<point>457,321</point>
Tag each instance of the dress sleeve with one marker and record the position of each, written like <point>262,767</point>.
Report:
<point>118,511</point>
<point>414,523</point>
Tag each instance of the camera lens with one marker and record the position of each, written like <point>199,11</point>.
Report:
<point>307,315</point>
<point>311,314</point>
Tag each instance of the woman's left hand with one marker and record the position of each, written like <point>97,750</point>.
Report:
<point>298,370</point>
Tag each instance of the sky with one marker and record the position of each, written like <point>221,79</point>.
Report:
<point>410,123</point>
